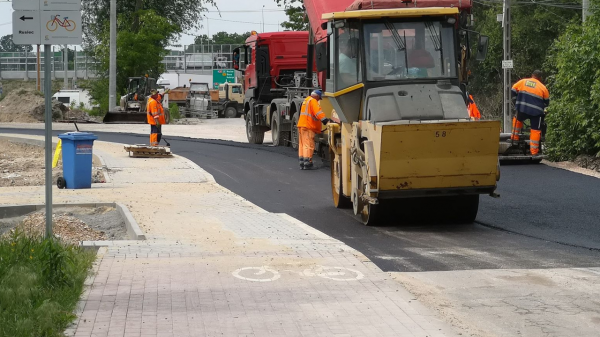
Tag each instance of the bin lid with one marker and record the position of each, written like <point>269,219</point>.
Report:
<point>78,136</point>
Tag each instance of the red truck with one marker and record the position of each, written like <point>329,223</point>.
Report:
<point>275,83</point>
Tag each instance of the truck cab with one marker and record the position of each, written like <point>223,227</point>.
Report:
<point>272,63</point>
<point>231,100</point>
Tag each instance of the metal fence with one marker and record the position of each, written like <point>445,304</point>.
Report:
<point>192,59</point>
<point>200,57</point>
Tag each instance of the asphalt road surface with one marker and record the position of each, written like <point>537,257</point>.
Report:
<point>545,217</point>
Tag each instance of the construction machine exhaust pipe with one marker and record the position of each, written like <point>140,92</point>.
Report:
<point>310,59</point>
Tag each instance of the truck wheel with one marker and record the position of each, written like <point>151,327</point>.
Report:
<point>339,200</point>
<point>295,139</point>
<point>253,136</point>
<point>167,116</point>
<point>230,112</point>
<point>279,138</point>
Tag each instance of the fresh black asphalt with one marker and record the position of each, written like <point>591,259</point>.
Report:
<point>545,217</point>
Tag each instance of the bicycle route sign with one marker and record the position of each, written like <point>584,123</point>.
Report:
<point>47,22</point>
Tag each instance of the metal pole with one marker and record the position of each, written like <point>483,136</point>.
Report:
<point>26,66</point>
<point>585,10</point>
<point>66,66</point>
<point>506,107</point>
<point>112,84</point>
<point>39,79</point>
<point>48,139</point>
<point>263,18</point>
<point>75,66</point>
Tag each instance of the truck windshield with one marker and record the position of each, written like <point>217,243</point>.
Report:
<point>199,87</point>
<point>405,50</point>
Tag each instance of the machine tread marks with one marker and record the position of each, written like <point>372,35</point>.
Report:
<point>254,137</point>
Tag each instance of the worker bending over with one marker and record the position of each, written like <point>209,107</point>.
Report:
<point>532,98</point>
<point>309,124</point>
<point>472,108</point>
<point>156,117</point>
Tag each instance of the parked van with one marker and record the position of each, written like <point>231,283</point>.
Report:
<point>75,98</point>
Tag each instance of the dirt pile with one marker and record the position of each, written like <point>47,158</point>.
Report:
<point>65,227</point>
<point>71,224</point>
<point>588,162</point>
<point>18,106</point>
<point>58,111</point>
<point>23,165</point>
<point>28,106</point>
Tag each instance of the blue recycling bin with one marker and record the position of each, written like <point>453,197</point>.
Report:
<point>77,159</point>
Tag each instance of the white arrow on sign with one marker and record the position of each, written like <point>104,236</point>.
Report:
<point>26,27</point>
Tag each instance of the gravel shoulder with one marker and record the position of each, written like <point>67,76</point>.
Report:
<point>23,165</point>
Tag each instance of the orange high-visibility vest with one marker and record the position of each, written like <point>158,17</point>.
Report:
<point>311,115</point>
<point>155,109</point>
<point>472,107</point>
<point>531,96</point>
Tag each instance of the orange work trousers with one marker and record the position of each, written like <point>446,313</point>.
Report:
<point>306,146</point>
<point>155,134</point>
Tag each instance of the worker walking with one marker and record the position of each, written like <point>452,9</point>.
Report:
<point>531,99</point>
<point>309,124</point>
<point>156,117</point>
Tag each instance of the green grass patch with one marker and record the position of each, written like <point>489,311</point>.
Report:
<point>41,281</point>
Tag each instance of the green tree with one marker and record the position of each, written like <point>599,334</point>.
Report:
<point>297,19</point>
<point>187,14</point>
<point>535,26</point>
<point>138,52</point>
<point>574,112</point>
<point>7,45</point>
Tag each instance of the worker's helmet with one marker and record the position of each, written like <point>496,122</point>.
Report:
<point>318,93</point>
<point>153,92</point>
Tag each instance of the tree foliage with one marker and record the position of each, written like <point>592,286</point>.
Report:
<point>223,38</point>
<point>138,52</point>
<point>534,28</point>
<point>187,14</point>
<point>7,45</point>
<point>574,112</point>
<point>297,19</point>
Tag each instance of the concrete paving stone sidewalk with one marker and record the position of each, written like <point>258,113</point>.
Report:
<point>217,265</point>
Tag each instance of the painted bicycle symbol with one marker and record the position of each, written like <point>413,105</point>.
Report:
<point>267,274</point>
<point>67,24</point>
<point>257,274</point>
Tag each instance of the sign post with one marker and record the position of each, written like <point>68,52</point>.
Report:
<point>47,22</point>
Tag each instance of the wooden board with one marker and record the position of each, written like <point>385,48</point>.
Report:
<point>146,151</point>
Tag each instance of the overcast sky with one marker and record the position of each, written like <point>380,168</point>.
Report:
<point>236,17</point>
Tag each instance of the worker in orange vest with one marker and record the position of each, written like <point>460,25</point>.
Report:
<point>309,124</point>
<point>531,99</point>
<point>472,108</point>
<point>156,117</point>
